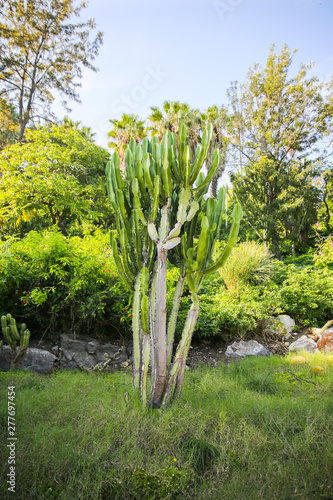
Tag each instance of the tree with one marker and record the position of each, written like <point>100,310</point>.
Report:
<point>9,126</point>
<point>158,203</point>
<point>279,122</point>
<point>42,52</point>
<point>58,174</point>
<point>171,116</point>
<point>125,128</point>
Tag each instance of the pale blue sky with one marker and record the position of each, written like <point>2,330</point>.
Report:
<point>190,50</point>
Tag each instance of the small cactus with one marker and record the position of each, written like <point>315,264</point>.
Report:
<point>13,336</point>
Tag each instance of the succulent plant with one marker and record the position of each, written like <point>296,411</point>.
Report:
<point>13,336</point>
<point>158,201</point>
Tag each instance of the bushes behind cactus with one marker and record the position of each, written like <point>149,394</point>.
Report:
<point>64,288</point>
<point>57,284</point>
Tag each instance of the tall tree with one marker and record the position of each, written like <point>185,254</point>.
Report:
<point>9,126</point>
<point>279,122</point>
<point>43,52</point>
<point>171,116</point>
<point>122,130</point>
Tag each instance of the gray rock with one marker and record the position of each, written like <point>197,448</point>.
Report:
<point>279,327</point>
<point>304,344</point>
<point>87,352</point>
<point>250,348</point>
<point>36,360</point>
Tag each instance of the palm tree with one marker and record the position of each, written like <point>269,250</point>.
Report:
<point>171,116</point>
<point>125,128</point>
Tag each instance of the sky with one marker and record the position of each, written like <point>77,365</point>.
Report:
<point>190,51</point>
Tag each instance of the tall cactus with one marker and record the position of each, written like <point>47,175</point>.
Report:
<point>158,202</point>
<point>13,336</point>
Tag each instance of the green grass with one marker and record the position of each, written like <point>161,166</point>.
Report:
<point>249,430</point>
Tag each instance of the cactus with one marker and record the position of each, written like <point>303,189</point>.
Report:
<point>157,204</point>
<point>12,336</point>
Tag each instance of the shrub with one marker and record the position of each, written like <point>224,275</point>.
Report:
<point>324,256</point>
<point>249,262</point>
<point>306,294</point>
<point>59,284</point>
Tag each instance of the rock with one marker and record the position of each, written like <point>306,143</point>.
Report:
<point>87,352</point>
<point>287,336</point>
<point>287,344</point>
<point>243,348</point>
<point>91,347</point>
<point>55,350</point>
<point>304,344</point>
<point>36,360</point>
<point>279,327</point>
<point>325,343</point>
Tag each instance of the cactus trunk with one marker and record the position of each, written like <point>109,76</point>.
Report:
<point>160,353</point>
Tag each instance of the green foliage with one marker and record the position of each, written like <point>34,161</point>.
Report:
<point>63,284</point>
<point>277,121</point>
<point>56,176</point>
<point>324,255</point>
<point>203,454</point>
<point>306,295</point>
<point>249,262</point>
<point>165,483</point>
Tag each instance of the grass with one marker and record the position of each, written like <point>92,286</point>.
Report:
<point>255,429</point>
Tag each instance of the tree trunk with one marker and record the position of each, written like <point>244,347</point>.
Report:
<point>275,243</point>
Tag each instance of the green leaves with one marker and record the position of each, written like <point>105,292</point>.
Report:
<point>38,41</point>
<point>57,174</point>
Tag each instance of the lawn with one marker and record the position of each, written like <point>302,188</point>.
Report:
<point>258,428</point>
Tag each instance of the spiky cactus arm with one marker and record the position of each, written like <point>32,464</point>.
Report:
<point>173,316</point>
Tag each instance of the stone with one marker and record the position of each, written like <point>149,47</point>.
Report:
<point>87,352</point>
<point>246,348</point>
<point>280,327</point>
<point>325,343</point>
<point>91,347</point>
<point>36,360</point>
<point>304,344</point>
<point>55,350</point>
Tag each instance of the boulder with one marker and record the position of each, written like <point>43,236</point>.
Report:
<point>36,360</point>
<point>303,344</point>
<point>250,348</point>
<point>279,327</point>
<point>325,343</point>
<point>88,352</point>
